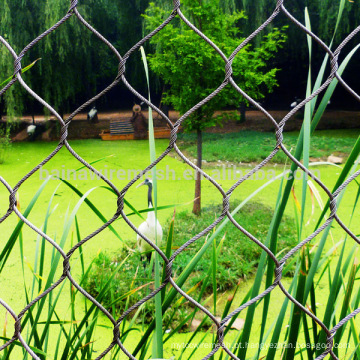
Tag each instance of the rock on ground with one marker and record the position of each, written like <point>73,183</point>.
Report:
<point>335,159</point>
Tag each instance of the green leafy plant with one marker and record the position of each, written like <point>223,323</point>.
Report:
<point>239,256</point>
<point>5,143</point>
<point>132,282</point>
<point>236,259</point>
<point>193,70</point>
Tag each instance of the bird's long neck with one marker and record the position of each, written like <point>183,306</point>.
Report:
<point>150,202</point>
<point>151,214</point>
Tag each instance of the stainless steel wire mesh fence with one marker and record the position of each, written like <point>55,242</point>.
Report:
<point>228,81</point>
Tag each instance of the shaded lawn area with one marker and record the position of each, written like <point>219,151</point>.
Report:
<point>252,146</point>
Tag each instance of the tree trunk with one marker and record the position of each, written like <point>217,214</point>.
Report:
<point>1,107</point>
<point>197,201</point>
<point>242,111</point>
<point>162,106</point>
<point>165,110</point>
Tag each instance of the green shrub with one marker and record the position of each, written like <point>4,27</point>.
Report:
<point>238,258</point>
<point>132,277</point>
<point>5,143</point>
<point>239,255</point>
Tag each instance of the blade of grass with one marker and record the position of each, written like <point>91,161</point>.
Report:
<point>12,239</point>
<point>321,72</point>
<point>346,304</point>
<point>158,343</point>
<point>18,343</point>
<point>94,209</point>
<point>279,323</point>
<point>295,322</point>
<point>26,68</point>
<point>169,244</point>
<point>331,301</point>
<point>343,175</point>
<point>306,124</point>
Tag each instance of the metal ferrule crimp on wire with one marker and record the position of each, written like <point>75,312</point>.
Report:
<point>278,273</point>
<point>228,71</point>
<point>121,69</point>
<point>64,133</point>
<point>176,6</point>
<point>73,5</point>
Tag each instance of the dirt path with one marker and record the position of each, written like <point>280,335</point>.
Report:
<point>255,120</point>
<point>80,128</point>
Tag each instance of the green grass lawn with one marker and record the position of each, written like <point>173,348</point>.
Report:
<point>253,146</point>
<point>132,155</point>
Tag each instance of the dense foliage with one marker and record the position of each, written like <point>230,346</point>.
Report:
<point>238,257</point>
<point>75,65</point>
<point>192,69</point>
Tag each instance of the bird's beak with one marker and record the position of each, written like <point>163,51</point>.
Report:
<point>143,183</point>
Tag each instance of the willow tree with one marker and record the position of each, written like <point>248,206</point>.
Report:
<point>74,65</point>
<point>324,14</point>
<point>192,69</point>
<point>17,26</point>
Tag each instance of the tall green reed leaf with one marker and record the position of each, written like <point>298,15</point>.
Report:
<point>280,208</point>
<point>25,69</point>
<point>13,237</point>
<point>158,343</point>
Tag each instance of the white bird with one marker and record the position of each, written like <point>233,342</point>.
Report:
<point>296,102</point>
<point>151,228</point>
<point>34,130</point>
<point>31,128</point>
<point>92,115</point>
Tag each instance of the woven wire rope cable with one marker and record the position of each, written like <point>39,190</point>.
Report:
<point>279,10</point>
